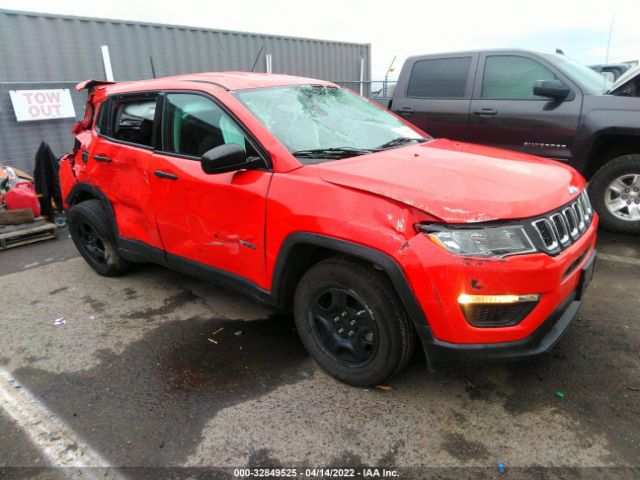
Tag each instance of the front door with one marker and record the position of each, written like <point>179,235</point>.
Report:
<point>207,220</point>
<point>505,113</point>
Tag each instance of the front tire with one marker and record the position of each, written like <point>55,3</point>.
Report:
<point>352,322</point>
<point>615,194</point>
<point>93,237</point>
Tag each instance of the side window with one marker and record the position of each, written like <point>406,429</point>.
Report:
<point>194,124</point>
<point>102,125</point>
<point>439,78</point>
<point>132,120</point>
<point>512,78</point>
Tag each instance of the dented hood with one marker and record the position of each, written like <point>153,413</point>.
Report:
<point>458,182</point>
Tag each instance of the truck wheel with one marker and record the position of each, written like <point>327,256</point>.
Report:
<point>91,233</point>
<point>615,194</point>
<point>352,323</point>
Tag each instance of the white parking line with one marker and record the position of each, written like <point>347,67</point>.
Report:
<point>617,258</point>
<point>56,441</point>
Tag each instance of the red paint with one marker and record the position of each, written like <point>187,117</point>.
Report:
<point>373,200</point>
<point>23,195</point>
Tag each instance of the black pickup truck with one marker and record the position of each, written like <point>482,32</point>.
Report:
<point>539,103</point>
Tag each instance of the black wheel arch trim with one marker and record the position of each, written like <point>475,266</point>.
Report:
<point>371,255</point>
<point>81,188</point>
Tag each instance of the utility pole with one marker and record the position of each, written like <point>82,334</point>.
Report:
<point>386,77</point>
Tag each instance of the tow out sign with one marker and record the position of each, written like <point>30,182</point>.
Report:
<point>31,105</point>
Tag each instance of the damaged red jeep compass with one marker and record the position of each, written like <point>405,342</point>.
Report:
<point>313,200</point>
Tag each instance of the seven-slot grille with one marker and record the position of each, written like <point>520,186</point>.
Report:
<point>559,229</point>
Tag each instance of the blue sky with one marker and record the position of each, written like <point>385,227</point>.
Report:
<point>398,28</point>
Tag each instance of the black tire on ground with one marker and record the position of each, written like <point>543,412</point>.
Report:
<point>377,338</point>
<point>92,235</point>
<point>621,167</point>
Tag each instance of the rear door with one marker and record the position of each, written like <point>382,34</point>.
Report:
<point>117,162</point>
<point>505,113</point>
<point>434,93</point>
<point>206,220</point>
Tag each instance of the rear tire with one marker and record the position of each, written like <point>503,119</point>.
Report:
<point>352,322</point>
<point>92,235</point>
<point>615,193</point>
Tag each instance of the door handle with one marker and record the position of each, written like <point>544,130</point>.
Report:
<point>161,174</point>
<point>486,111</point>
<point>406,111</point>
<point>102,158</point>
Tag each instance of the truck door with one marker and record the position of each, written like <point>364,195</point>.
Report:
<point>434,93</point>
<point>505,113</point>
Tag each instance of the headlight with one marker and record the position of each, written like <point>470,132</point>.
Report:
<point>481,242</point>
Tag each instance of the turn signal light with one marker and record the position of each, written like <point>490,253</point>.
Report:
<point>465,299</point>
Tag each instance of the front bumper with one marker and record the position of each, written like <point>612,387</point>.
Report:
<point>441,354</point>
<point>437,278</point>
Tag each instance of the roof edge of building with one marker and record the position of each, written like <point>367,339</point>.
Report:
<point>174,26</point>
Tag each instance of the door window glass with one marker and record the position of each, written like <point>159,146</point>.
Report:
<point>512,78</point>
<point>439,78</point>
<point>102,124</point>
<point>133,120</point>
<point>194,124</point>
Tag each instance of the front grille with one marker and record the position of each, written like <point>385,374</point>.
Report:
<point>561,229</point>
<point>572,223</point>
<point>557,230</point>
<point>496,315</point>
<point>546,233</point>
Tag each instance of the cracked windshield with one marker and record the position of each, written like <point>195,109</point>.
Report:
<point>318,122</point>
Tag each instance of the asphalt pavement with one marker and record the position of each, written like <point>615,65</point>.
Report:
<point>156,370</point>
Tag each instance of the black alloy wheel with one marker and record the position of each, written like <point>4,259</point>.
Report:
<point>344,325</point>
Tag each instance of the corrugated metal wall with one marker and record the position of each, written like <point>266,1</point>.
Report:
<point>50,49</point>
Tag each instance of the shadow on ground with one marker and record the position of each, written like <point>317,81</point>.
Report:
<point>150,402</point>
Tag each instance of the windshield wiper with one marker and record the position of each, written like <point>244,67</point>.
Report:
<point>396,142</point>
<point>332,152</point>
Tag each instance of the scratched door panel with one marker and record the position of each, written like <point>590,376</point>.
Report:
<point>217,220</point>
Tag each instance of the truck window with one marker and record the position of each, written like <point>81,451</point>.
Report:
<point>509,77</point>
<point>439,78</point>
<point>194,124</point>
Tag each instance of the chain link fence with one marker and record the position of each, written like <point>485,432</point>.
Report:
<point>373,89</point>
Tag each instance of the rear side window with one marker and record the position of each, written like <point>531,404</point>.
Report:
<point>439,78</point>
<point>132,120</point>
<point>508,77</point>
<point>102,124</point>
<point>194,124</point>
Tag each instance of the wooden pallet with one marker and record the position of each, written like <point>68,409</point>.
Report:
<point>16,235</point>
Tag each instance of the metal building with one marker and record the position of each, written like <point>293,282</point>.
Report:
<point>44,51</point>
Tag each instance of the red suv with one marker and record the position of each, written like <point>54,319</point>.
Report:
<point>314,200</point>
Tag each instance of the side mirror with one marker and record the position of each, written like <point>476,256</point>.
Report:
<point>551,88</point>
<point>225,158</point>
